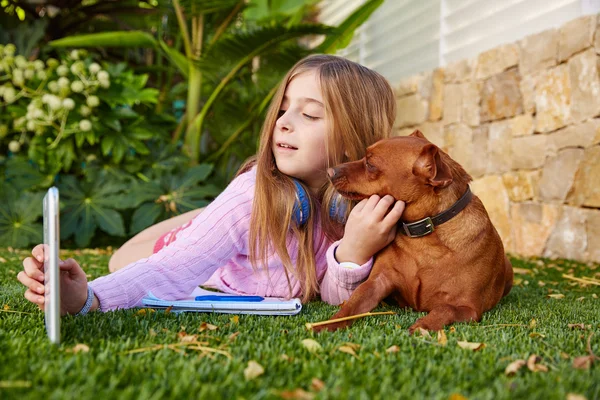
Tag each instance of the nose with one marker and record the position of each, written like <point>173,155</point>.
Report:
<point>283,123</point>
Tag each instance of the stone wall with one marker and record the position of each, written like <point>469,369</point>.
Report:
<point>524,121</point>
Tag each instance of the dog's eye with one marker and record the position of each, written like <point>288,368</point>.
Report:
<point>370,167</point>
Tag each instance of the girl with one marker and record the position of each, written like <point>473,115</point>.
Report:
<point>257,237</point>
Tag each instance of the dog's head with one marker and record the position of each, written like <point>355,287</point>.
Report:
<point>404,167</point>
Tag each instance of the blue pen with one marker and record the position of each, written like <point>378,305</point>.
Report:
<point>229,298</point>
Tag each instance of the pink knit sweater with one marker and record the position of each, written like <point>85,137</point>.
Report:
<point>214,251</point>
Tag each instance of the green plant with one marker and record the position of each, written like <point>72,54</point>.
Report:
<point>226,55</point>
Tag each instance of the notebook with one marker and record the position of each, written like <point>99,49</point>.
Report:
<point>201,300</point>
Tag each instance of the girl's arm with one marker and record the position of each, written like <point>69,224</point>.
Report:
<point>214,237</point>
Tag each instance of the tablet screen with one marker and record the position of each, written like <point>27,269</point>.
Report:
<point>51,271</point>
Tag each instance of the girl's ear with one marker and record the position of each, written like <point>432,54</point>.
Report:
<point>431,168</point>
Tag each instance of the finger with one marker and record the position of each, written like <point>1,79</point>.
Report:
<point>392,234</point>
<point>372,202</point>
<point>32,269</point>
<point>38,252</point>
<point>359,207</point>
<point>395,213</point>
<point>70,266</point>
<point>32,284</point>
<point>34,298</point>
<point>383,206</point>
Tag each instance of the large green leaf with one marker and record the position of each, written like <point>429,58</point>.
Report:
<point>180,60</point>
<point>107,39</point>
<point>345,31</point>
<point>144,216</point>
<point>19,214</point>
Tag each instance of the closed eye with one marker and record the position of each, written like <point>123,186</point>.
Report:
<point>370,167</point>
<point>310,117</point>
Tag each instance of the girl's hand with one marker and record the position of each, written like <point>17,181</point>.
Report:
<point>370,227</point>
<point>73,282</point>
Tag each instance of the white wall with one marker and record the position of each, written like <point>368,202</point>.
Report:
<point>405,37</point>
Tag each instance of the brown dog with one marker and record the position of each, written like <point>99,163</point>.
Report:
<point>456,272</point>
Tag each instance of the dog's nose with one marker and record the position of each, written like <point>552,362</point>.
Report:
<point>331,172</point>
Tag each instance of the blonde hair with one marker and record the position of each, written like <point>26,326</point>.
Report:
<point>360,109</point>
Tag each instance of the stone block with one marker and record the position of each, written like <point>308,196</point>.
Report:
<point>576,35</point>
<point>528,152</point>
<point>459,141</point>
<point>497,60</point>
<point>433,131</point>
<point>492,194</point>
<point>408,85</point>
<point>569,237</point>
<point>412,110</point>
<point>460,71</point>
<point>521,185</point>
<point>436,102</point>
<point>586,190</point>
<point>479,159</point>
<point>597,36</point>
<point>593,235</point>
<point>553,99</point>
<point>558,174</point>
<point>470,103</point>
<point>500,149</point>
<point>579,135</point>
<point>532,224</point>
<point>452,103</point>
<point>585,86</point>
<point>527,87</point>
<point>538,52</point>
<point>501,96</point>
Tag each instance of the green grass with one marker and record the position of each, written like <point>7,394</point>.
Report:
<point>31,367</point>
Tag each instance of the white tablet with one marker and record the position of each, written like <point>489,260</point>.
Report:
<point>51,270</point>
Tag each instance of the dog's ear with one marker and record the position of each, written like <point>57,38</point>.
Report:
<point>419,134</point>
<point>432,168</point>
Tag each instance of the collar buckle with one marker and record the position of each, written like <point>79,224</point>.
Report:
<point>419,228</point>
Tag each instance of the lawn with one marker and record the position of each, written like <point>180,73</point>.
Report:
<point>125,354</point>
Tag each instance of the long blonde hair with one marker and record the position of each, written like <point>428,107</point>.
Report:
<point>361,109</point>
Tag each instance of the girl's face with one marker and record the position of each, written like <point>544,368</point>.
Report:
<point>300,132</point>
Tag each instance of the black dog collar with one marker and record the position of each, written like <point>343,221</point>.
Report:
<point>427,225</point>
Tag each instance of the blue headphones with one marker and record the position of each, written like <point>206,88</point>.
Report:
<point>301,210</point>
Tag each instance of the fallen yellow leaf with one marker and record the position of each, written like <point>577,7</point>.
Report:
<point>574,396</point>
<point>556,296</point>
<point>312,345</point>
<point>317,385</point>
<point>532,323</point>
<point>348,350</point>
<point>442,338</point>
<point>253,370</point>
<point>583,362</point>
<point>79,347</point>
<point>471,345</point>
<point>235,319</point>
<point>296,394</point>
<point>424,333</point>
<point>6,307</point>
<point>578,326</point>
<point>514,366</point>
<point>205,325</point>
<point>393,349</point>
<point>532,364</point>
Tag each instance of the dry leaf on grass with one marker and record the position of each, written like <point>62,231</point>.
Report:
<point>14,384</point>
<point>424,333</point>
<point>393,349</point>
<point>253,370</point>
<point>185,338</point>
<point>206,326</point>
<point>145,311</point>
<point>233,336</point>
<point>79,347</point>
<point>312,345</point>
<point>235,319</point>
<point>514,366</point>
<point>348,350</point>
<point>452,329</point>
<point>577,326</point>
<point>296,394</point>
<point>575,396</point>
<point>317,385</point>
<point>471,345</point>
<point>457,396</point>
<point>6,307</point>
<point>556,296</point>
<point>532,323</point>
<point>168,310</point>
<point>532,364</point>
<point>442,338</point>
<point>583,362</point>
<point>521,271</point>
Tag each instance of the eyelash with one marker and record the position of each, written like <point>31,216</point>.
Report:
<point>309,117</point>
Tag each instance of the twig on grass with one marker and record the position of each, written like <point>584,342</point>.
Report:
<point>310,325</point>
<point>177,348</point>
<point>583,279</point>
<point>503,325</point>
<point>589,347</point>
<point>16,312</point>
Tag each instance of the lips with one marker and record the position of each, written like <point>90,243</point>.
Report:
<point>286,146</point>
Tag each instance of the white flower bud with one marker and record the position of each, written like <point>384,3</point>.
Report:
<point>10,49</point>
<point>103,76</point>
<point>14,146</point>
<point>74,55</point>
<point>78,67</point>
<point>18,81</point>
<point>41,75</point>
<point>46,98</point>
<point>63,82</point>
<point>85,111</point>
<point>9,94</point>
<point>52,63</point>
<point>19,122</point>
<point>30,125</point>
<point>29,73</point>
<point>93,101</point>
<point>53,86</point>
<point>77,86</point>
<point>37,113</point>
<point>38,65</point>
<point>105,84</point>
<point>94,68</point>
<point>85,125</point>
<point>18,73</point>
<point>62,70</point>
<point>54,102</point>
<point>68,103</point>
<point>21,62</point>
